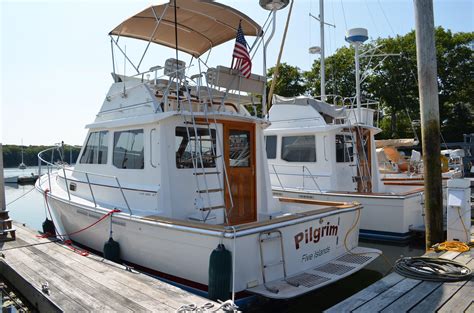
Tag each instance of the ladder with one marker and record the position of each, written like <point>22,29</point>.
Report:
<point>266,237</point>
<point>363,170</point>
<point>203,200</point>
<point>6,227</point>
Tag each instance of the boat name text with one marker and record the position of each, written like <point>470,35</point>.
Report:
<point>314,235</point>
<point>317,253</point>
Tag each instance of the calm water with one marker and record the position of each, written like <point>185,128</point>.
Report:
<point>9,172</point>
<point>30,210</point>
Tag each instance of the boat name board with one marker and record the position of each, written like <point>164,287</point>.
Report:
<point>311,235</point>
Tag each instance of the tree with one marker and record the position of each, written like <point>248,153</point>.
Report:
<point>290,81</point>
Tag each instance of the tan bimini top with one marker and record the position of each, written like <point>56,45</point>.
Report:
<point>202,24</point>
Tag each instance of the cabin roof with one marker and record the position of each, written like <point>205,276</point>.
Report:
<point>319,106</point>
<point>201,25</point>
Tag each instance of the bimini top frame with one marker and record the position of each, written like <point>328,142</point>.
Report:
<point>201,25</point>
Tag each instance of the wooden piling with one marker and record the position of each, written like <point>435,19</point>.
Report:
<point>2,182</point>
<point>429,111</point>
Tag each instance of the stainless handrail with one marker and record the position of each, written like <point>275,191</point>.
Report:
<point>304,169</point>
<point>61,166</point>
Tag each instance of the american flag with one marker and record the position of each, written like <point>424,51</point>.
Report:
<point>241,55</point>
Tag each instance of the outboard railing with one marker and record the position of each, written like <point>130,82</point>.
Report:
<point>50,165</point>
<point>305,173</point>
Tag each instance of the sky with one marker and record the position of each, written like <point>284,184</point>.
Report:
<point>56,56</point>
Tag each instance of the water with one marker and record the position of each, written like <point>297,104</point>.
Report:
<point>30,210</point>
<point>10,172</point>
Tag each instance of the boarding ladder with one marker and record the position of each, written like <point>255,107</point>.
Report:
<point>266,237</point>
<point>363,170</point>
<point>6,227</point>
<point>204,200</point>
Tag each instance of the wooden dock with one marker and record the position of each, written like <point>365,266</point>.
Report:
<point>395,293</point>
<point>54,278</point>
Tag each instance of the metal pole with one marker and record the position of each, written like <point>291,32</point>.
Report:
<point>359,112</point>
<point>323,68</point>
<point>430,129</point>
<point>264,96</point>
<point>277,66</point>
<point>3,205</point>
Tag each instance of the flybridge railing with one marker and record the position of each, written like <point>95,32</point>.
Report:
<point>61,166</point>
<point>305,176</point>
<point>349,103</point>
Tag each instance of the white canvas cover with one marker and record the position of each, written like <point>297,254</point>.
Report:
<point>320,106</point>
<point>201,25</point>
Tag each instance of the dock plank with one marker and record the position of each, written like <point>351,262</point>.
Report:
<point>80,284</point>
<point>424,289</point>
<point>386,298</point>
<point>113,278</point>
<point>75,279</point>
<point>366,294</point>
<point>444,293</point>
<point>395,293</point>
<point>461,300</point>
<point>61,298</point>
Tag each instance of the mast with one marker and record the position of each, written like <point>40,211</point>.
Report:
<point>323,66</point>
<point>320,50</point>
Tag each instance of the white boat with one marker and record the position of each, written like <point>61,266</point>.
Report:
<point>184,161</point>
<point>315,151</point>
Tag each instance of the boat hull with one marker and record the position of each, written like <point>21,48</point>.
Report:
<point>383,217</point>
<point>181,253</point>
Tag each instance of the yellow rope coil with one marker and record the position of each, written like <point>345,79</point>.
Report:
<point>456,246</point>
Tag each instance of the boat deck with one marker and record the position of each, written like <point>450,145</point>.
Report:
<point>54,278</point>
<point>395,293</point>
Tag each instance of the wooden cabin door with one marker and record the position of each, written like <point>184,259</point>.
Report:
<point>239,155</point>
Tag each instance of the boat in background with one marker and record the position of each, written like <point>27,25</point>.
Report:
<point>10,179</point>
<point>320,151</point>
<point>22,165</point>
<point>395,165</point>
<point>176,164</point>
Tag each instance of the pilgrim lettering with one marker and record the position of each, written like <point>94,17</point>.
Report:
<point>314,235</point>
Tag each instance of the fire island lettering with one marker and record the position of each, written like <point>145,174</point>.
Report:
<point>310,235</point>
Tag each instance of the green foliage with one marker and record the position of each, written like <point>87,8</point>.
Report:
<point>393,82</point>
<point>290,81</point>
<point>12,154</point>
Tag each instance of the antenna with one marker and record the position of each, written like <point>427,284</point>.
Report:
<point>356,37</point>
<point>320,50</point>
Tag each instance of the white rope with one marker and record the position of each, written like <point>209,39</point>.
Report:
<point>226,306</point>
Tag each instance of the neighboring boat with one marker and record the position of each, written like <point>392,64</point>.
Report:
<point>317,151</point>
<point>395,166</point>
<point>184,161</point>
<point>10,180</point>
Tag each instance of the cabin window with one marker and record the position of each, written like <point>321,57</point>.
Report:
<point>195,145</point>
<point>344,149</point>
<point>128,149</point>
<point>298,149</point>
<point>95,151</point>
<point>239,148</point>
<point>271,145</point>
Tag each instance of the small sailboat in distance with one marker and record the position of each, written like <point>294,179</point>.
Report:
<point>22,165</point>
